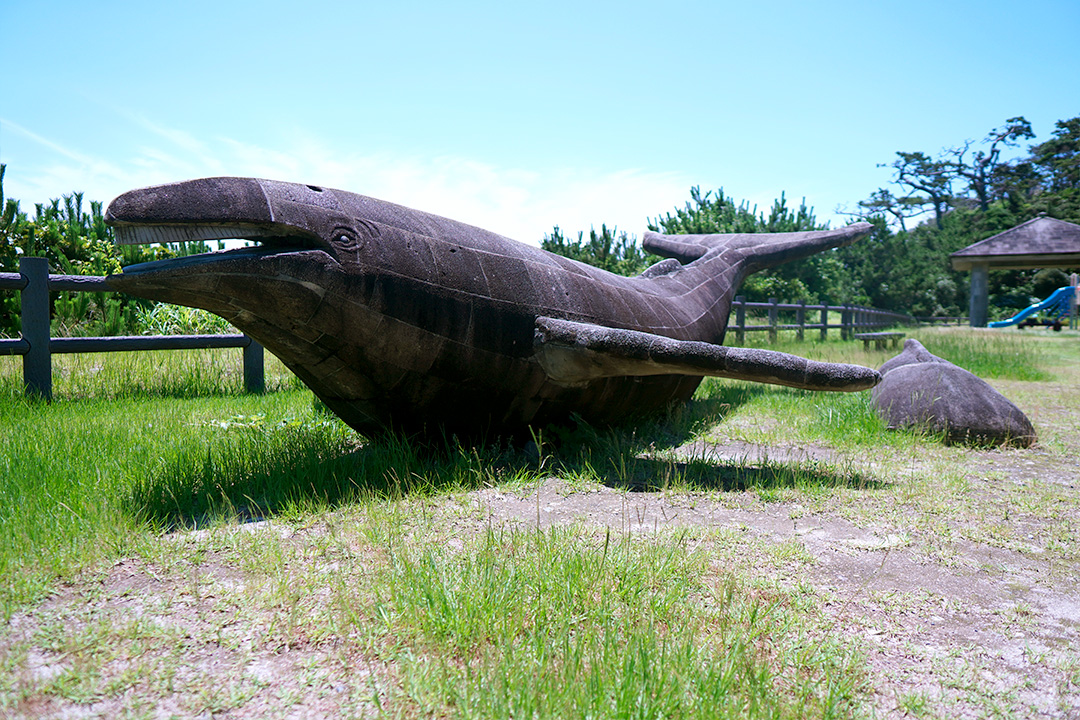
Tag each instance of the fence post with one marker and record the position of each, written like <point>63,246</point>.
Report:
<point>800,319</point>
<point>824,321</point>
<point>773,317</point>
<point>740,318</point>
<point>845,323</point>
<point>37,362</point>
<point>254,368</point>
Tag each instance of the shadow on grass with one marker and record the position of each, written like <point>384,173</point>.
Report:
<point>645,474</point>
<point>250,472</point>
<point>682,422</point>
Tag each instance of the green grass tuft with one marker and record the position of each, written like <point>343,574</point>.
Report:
<point>564,623</point>
<point>998,355</point>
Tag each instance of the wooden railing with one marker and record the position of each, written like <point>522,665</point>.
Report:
<point>37,346</point>
<point>943,320</point>
<point>853,319</point>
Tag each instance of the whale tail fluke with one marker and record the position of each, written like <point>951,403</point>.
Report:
<point>752,251</point>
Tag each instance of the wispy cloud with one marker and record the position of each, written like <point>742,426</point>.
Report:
<point>40,140</point>
<point>520,203</point>
<point>59,167</point>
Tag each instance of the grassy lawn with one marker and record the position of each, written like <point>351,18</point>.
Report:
<point>171,546</point>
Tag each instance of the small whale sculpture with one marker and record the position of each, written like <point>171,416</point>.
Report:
<point>919,389</point>
<point>397,318</point>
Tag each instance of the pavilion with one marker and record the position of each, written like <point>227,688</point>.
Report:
<point>1042,242</point>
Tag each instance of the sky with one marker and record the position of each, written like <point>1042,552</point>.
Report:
<point>519,117</point>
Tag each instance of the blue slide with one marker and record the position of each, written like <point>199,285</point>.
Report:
<point>1057,305</point>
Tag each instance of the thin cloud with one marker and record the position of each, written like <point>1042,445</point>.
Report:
<point>72,166</point>
<point>44,141</point>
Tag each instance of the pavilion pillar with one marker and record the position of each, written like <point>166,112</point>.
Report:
<point>980,301</point>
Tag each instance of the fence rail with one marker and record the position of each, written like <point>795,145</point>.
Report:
<point>943,320</point>
<point>853,319</point>
<point>37,347</point>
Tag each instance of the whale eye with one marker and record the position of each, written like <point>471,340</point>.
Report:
<point>346,240</point>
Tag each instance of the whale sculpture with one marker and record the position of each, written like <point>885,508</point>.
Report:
<point>397,318</point>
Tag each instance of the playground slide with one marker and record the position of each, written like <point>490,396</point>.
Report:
<point>1057,304</point>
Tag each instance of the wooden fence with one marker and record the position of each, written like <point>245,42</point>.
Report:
<point>943,320</point>
<point>37,347</point>
<point>853,319</point>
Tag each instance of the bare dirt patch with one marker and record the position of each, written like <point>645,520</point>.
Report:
<point>141,640</point>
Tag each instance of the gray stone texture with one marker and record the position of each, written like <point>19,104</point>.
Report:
<point>919,389</point>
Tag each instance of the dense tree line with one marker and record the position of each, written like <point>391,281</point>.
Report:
<point>961,195</point>
<point>76,242</point>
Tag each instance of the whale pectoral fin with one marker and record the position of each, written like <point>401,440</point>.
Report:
<point>574,353</point>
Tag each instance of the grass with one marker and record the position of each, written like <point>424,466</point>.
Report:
<point>402,599</point>
<point>169,373</point>
<point>380,613</point>
<point>994,355</point>
<point>1008,354</point>
<point>563,623</point>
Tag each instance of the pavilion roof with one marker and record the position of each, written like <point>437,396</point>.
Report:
<point>1039,242</point>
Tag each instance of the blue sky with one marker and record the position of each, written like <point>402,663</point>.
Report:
<point>518,117</point>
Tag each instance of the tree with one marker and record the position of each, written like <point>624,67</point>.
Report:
<point>1015,184</point>
<point>820,277</point>
<point>979,172</point>
<point>707,214</point>
<point>929,183</point>
<point>617,253</point>
<point>11,219</point>
<point>1058,159</point>
<point>76,242</point>
<point>973,190</point>
<point>881,203</point>
<point>918,173</point>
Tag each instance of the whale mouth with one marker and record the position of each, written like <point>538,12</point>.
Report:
<point>226,208</point>
<point>149,234</point>
<point>225,282</point>
<point>263,240</point>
